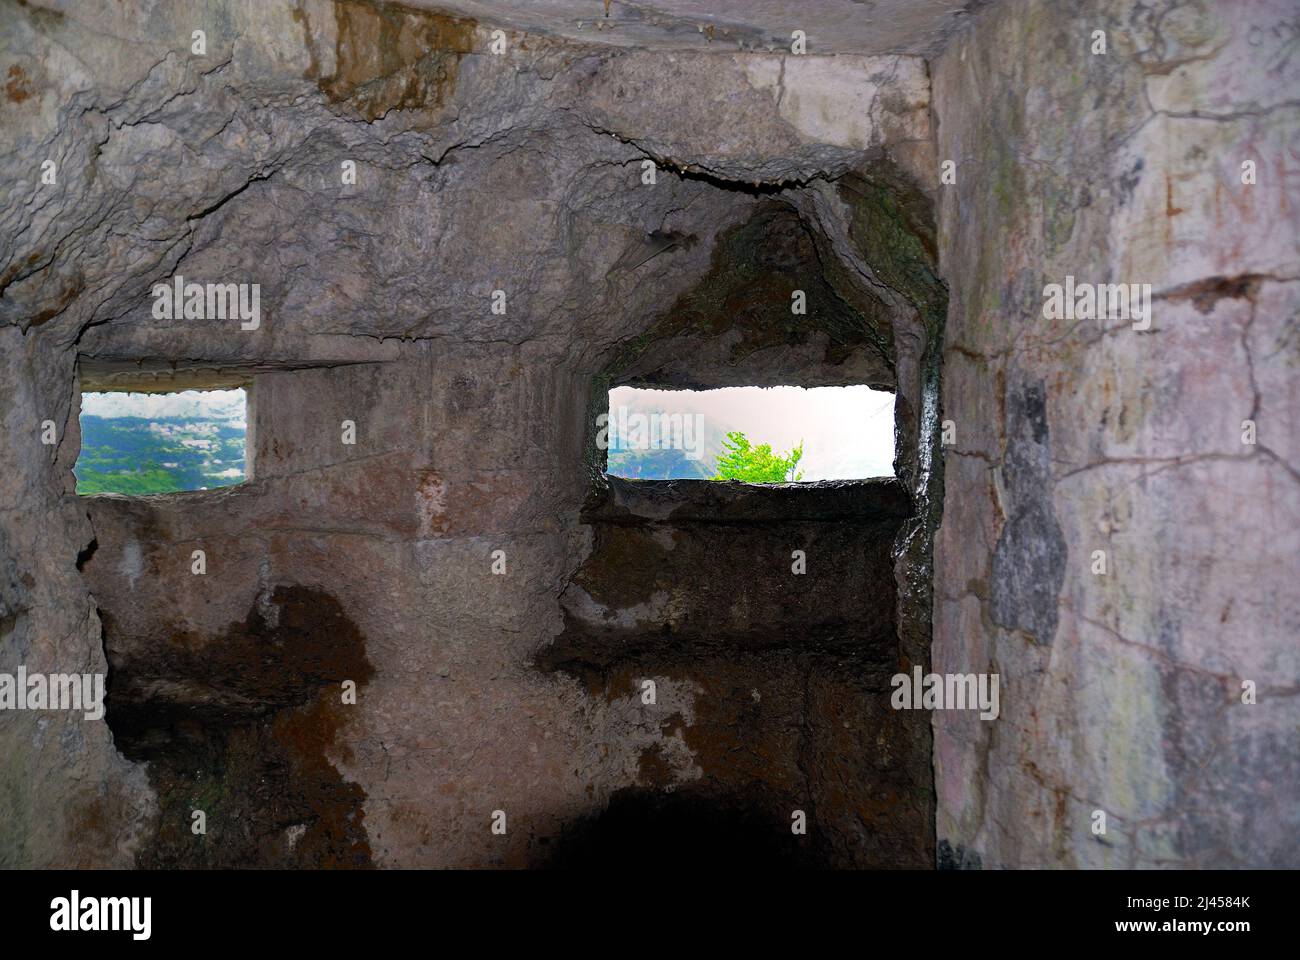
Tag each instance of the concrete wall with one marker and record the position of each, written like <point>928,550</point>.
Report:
<point>693,583</point>
<point>476,172</point>
<point>1121,692</point>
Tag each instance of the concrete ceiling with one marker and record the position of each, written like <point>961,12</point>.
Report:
<point>832,26</point>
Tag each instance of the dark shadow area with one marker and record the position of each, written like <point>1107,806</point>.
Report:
<point>239,726</point>
<point>642,830</point>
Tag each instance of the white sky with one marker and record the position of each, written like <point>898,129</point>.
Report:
<point>224,405</point>
<point>847,432</point>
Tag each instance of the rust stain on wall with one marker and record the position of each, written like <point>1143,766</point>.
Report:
<point>242,727</point>
<point>18,85</point>
<point>389,57</point>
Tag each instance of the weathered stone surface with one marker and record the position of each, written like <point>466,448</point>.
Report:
<point>522,173</point>
<point>695,581</point>
<point>1030,557</point>
<point>475,173</point>
<point>832,26</point>
<point>1120,692</point>
<point>657,583</point>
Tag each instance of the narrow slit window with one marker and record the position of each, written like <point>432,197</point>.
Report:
<point>752,434</point>
<point>146,443</point>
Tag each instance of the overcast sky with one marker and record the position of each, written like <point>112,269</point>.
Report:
<point>847,432</point>
<point>224,405</point>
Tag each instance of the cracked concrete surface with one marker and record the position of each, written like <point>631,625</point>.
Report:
<point>1134,705</point>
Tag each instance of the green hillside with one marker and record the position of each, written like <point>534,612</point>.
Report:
<point>657,465</point>
<point>134,455</point>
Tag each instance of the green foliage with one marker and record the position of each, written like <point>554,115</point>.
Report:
<point>138,483</point>
<point>741,460</point>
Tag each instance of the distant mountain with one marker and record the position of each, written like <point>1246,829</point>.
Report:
<point>658,465</point>
<point>667,463</point>
<point>138,455</point>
